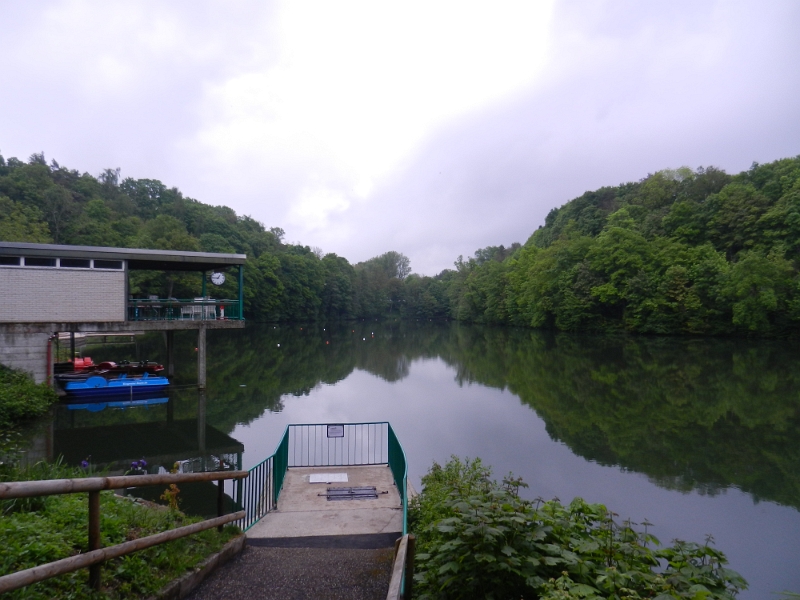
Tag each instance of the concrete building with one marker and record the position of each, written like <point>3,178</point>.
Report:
<point>46,289</point>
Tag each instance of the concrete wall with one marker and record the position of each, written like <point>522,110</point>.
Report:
<point>25,351</point>
<point>31,294</point>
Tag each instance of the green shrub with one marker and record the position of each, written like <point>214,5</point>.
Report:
<point>21,398</point>
<point>479,539</point>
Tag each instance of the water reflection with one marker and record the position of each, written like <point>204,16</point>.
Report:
<point>143,436</point>
<point>700,436</point>
<point>698,414</point>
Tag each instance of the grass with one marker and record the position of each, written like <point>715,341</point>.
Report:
<point>41,530</point>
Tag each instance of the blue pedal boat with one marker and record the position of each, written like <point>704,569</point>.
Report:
<point>122,386</point>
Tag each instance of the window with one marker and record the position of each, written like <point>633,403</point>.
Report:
<point>37,261</point>
<point>107,264</point>
<point>9,260</point>
<point>78,263</point>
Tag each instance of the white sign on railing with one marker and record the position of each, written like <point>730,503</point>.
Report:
<point>335,431</point>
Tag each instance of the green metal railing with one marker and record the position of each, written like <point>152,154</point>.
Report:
<point>399,467</point>
<point>323,445</point>
<point>174,309</point>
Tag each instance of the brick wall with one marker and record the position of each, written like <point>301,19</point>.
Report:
<point>30,295</point>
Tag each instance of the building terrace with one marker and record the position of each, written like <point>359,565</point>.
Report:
<point>49,288</point>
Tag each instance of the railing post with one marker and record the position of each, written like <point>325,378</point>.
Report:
<point>94,538</point>
<point>220,501</point>
<point>241,293</point>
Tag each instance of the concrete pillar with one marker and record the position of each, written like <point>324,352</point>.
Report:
<point>25,351</point>
<point>201,357</point>
<point>171,353</point>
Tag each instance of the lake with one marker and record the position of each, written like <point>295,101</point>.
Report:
<point>698,436</point>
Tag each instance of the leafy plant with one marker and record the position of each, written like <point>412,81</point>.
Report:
<point>170,495</point>
<point>478,538</point>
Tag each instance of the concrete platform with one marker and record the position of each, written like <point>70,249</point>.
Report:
<point>302,512</point>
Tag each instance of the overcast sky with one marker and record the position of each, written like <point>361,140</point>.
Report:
<point>429,128</point>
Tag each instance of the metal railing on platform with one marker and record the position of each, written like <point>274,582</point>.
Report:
<point>176,309</point>
<point>323,445</point>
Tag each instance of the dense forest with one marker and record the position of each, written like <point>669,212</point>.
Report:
<point>679,252</point>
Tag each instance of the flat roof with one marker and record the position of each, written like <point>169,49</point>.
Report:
<point>138,258</point>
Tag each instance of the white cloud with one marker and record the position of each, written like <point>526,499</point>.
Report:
<point>429,128</point>
<point>357,87</point>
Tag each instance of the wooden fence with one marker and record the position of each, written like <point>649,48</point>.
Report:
<point>96,554</point>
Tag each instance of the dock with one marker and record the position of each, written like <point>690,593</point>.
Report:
<point>304,510</point>
<point>324,514</point>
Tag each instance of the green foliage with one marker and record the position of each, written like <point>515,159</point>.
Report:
<point>283,282</point>
<point>679,252</point>
<point>43,530</point>
<point>21,398</point>
<point>479,539</point>
<point>20,223</point>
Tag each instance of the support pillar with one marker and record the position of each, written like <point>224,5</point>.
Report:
<point>171,353</point>
<point>201,358</point>
<point>72,346</point>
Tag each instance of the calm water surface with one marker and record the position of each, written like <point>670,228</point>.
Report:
<point>697,436</point>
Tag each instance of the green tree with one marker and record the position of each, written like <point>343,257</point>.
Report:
<point>20,223</point>
<point>758,286</point>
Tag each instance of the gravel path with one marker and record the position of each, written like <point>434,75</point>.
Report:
<point>297,573</point>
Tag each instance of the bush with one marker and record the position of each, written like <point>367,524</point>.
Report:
<point>21,398</point>
<point>479,539</point>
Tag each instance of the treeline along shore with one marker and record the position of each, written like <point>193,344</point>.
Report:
<point>697,252</point>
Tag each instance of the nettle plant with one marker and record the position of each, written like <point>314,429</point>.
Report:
<point>479,539</point>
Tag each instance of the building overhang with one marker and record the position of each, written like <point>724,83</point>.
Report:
<point>137,258</point>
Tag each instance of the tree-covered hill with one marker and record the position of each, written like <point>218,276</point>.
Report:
<point>48,203</point>
<point>679,252</point>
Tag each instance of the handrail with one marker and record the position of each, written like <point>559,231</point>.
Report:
<point>398,455</point>
<point>175,309</point>
<point>54,487</point>
<point>96,554</point>
<point>261,492</point>
<point>402,568</point>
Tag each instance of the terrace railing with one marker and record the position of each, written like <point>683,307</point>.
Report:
<point>323,445</point>
<point>175,309</point>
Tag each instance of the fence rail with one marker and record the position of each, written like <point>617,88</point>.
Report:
<point>358,444</point>
<point>177,309</point>
<point>97,555</point>
<point>323,445</point>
